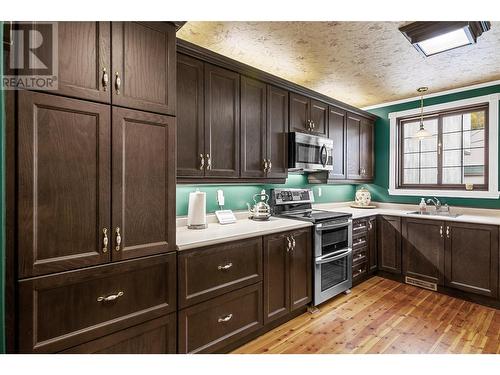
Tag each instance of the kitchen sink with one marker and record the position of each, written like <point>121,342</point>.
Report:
<point>434,213</point>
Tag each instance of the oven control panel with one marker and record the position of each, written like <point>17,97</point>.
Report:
<point>287,196</point>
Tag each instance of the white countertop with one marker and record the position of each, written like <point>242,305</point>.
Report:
<point>243,228</point>
<point>246,228</point>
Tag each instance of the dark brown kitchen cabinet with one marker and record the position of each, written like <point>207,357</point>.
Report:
<point>157,336</point>
<point>338,134</point>
<point>222,122</point>
<point>66,309</point>
<point>253,128</point>
<point>389,244</point>
<point>360,150</point>
<point>423,250</point>
<point>277,126</point>
<point>308,115</point>
<point>143,208</point>
<point>287,273</point>
<point>64,183</point>
<point>372,244</point>
<point>84,60</point>
<point>471,258</point>
<point>143,61</point>
<point>190,117</point>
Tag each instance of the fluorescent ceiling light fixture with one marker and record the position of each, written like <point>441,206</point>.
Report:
<point>431,38</point>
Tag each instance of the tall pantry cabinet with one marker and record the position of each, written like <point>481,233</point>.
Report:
<point>94,175</point>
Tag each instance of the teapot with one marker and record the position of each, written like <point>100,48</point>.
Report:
<point>261,209</point>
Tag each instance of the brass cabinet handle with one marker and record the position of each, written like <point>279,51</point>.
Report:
<point>293,243</point>
<point>289,245</point>
<point>313,125</point>
<point>269,165</point>
<point>118,239</point>
<point>266,166</point>
<point>118,83</point>
<point>370,225</point>
<point>441,231</point>
<point>226,318</point>
<point>202,162</point>
<point>109,298</point>
<point>225,267</point>
<point>209,162</point>
<point>447,231</point>
<point>105,240</point>
<point>105,79</point>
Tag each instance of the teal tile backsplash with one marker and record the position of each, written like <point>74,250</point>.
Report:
<point>236,196</point>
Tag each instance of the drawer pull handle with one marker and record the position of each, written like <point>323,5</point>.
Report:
<point>112,297</point>
<point>105,240</point>
<point>225,267</point>
<point>118,239</point>
<point>226,318</point>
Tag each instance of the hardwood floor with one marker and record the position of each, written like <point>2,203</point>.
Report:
<point>384,316</point>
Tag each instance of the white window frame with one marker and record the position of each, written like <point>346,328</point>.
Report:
<point>492,192</point>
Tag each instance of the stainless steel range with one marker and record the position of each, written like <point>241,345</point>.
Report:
<point>332,242</point>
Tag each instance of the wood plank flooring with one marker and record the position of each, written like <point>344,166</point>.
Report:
<point>384,316</point>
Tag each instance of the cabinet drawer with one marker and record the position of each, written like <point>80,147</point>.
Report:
<point>210,326</point>
<point>67,309</point>
<point>359,226</point>
<point>215,270</point>
<point>157,336</point>
<point>359,270</point>
<point>360,255</point>
<point>360,241</point>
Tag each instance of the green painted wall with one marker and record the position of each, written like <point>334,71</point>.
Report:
<point>381,183</point>
<point>236,196</point>
<point>2,208</point>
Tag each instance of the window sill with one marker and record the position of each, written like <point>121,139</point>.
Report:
<point>446,193</point>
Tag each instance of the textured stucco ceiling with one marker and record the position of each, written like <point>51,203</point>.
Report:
<point>360,63</point>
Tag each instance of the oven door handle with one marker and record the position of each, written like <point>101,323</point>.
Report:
<point>334,256</point>
<point>333,226</point>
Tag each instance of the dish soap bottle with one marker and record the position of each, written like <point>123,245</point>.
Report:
<point>422,206</point>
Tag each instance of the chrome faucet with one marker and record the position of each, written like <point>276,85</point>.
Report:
<point>436,202</point>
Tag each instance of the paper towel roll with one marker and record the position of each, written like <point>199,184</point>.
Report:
<point>197,210</point>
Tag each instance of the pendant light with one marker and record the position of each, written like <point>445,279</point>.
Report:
<point>422,133</point>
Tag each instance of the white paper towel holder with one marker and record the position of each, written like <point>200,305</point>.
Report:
<point>200,206</point>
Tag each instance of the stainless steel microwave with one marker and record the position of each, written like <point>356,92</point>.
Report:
<point>309,152</point>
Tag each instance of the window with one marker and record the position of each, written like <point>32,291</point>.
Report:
<point>459,159</point>
<point>454,157</point>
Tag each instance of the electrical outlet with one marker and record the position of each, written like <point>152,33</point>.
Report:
<point>319,192</point>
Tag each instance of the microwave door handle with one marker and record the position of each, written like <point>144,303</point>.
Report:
<point>333,257</point>
<point>321,155</point>
<point>333,226</point>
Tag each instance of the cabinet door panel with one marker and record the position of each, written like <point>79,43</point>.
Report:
<point>64,183</point>
<point>222,121</point>
<point>143,183</point>
<point>277,129</point>
<point>300,110</point>
<point>253,127</point>
<point>157,336</point>
<point>423,250</point>
<point>319,117</point>
<point>276,278</point>
<point>353,147</point>
<point>366,149</point>
<point>338,133</point>
<point>471,258</point>
<point>84,50</point>
<point>300,269</point>
<point>190,125</point>
<point>389,244</point>
<point>144,57</point>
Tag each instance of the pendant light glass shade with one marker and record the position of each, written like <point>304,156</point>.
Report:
<point>422,133</point>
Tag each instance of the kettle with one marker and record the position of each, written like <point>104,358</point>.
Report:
<point>261,210</point>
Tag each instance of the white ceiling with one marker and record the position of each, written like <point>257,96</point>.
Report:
<point>360,63</point>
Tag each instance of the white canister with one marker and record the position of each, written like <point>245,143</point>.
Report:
<point>363,197</point>
<point>197,210</point>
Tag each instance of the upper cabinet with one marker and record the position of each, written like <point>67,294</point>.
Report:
<point>308,115</point>
<point>338,133</point>
<point>130,64</point>
<point>359,147</point>
<point>277,125</point>
<point>143,60</point>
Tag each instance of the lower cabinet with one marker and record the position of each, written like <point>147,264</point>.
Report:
<point>287,273</point>
<point>158,336</point>
<point>471,258</point>
<point>423,250</point>
<point>389,244</point>
<point>364,248</point>
<point>210,326</point>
